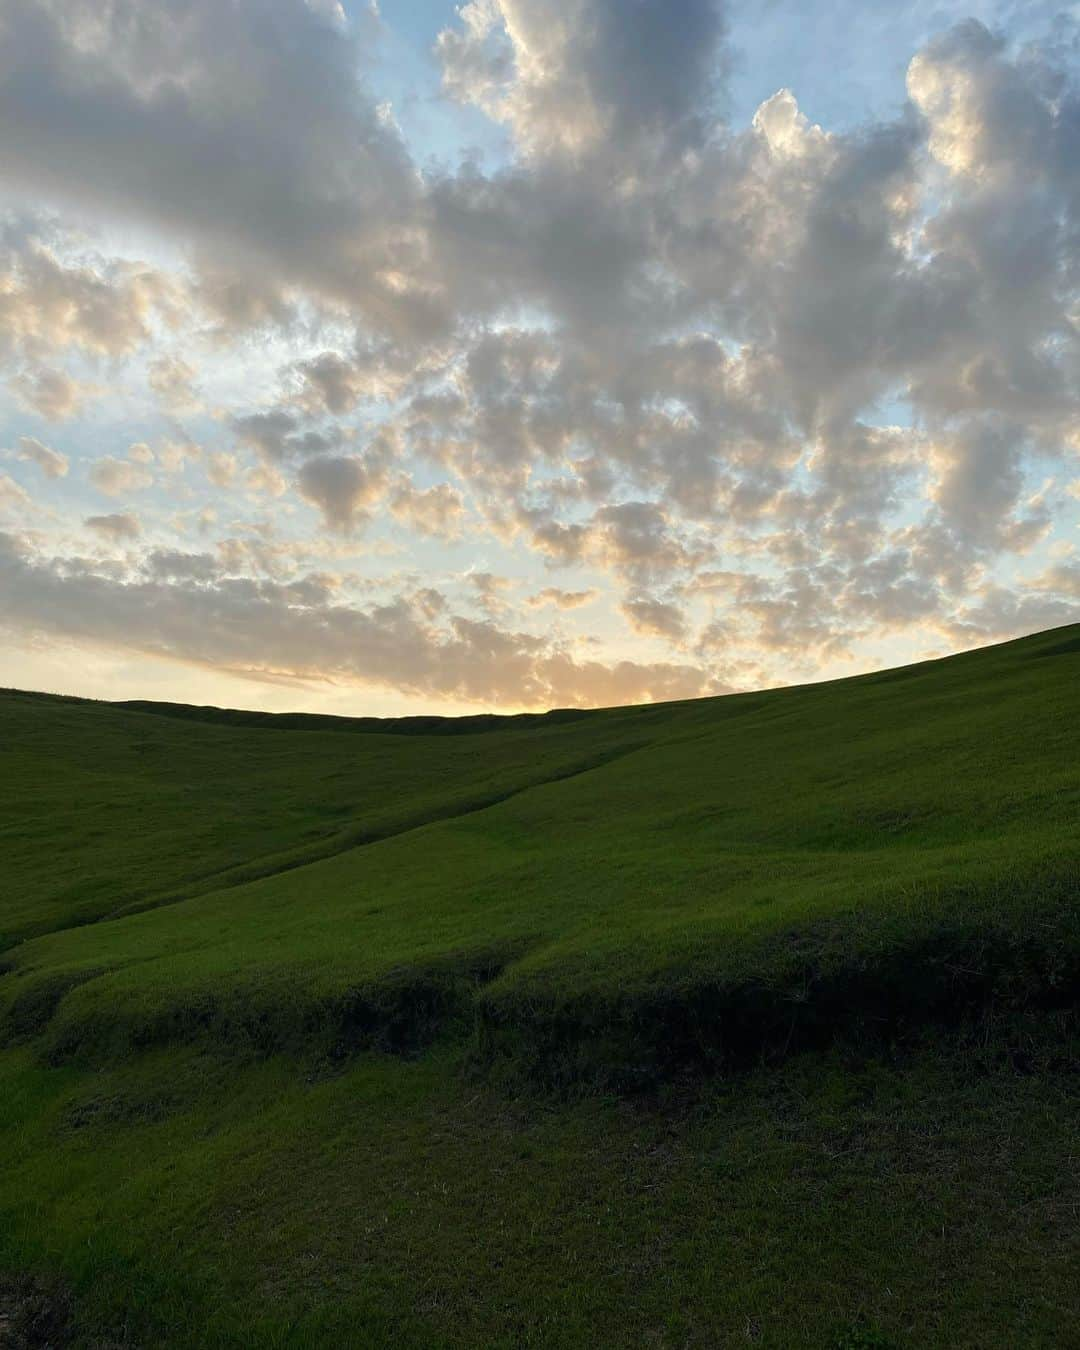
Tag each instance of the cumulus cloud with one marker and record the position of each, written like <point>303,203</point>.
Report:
<point>342,488</point>
<point>13,498</point>
<point>56,296</point>
<point>115,477</point>
<point>221,468</point>
<point>438,511</point>
<point>242,128</point>
<point>654,618</point>
<point>489,593</point>
<point>172,380</point>
<point>331,382</point>
<point>265,478</point>
<point>279,435</point>
<point>993,613</point>
<point>560,599</point>
<point>118,528</point>
<point>566,77</point>
<point>174,456</point>
<point>53,394</point>
<point>979,483</point>
<point>51,462</point>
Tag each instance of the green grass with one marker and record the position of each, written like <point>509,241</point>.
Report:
<point>737,1020</point>
<point>106,810</point>
<point>396,1204</point>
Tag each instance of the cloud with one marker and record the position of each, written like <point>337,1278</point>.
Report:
<point>568,76</point>
<point>51,462</point>
<point>173,382</point>
<point>776,393</point>
<point>58,297</point>
<point>180,606</point>
<point>13,498</point>
<point>996,612</point>
<point>331,382</point>
<point>265,478</point>
<point>174,456</point>
<point>342,487</point>
<point>489,590</point>
<point>115,477</point>
<point>221,468</point>
<point>240,128</point>
<point>279,435</point>
<point>118,528</point>
<point>437,511</point>
<point>560,599</point>
<point>979,480</point>
<point>1062,578</point>
<point>985,114</point>
<point>655,618</point>
<point>53,394</point>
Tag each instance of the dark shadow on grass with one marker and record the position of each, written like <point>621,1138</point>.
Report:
<point>869,980</point>
<point>401,1012</point>
<point>33,1007</point>
<point>35,1314</point>
<point>1069,646</point>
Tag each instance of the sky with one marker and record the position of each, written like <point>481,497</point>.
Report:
<point>436,357</point>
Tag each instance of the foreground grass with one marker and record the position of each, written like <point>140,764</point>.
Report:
<point>377,1093</point>
<point>835,1201</point>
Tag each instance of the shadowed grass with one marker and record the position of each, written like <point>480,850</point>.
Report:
<point>187,1200</point>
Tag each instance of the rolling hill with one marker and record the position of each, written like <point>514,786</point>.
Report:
<point>749,1019</point>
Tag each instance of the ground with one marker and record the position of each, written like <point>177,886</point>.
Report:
<point>738,1021</point>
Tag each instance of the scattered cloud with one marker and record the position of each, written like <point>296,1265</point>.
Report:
<point>342,488</point>
<point>52,394</point>
<point>221,468</point>
<point>118,528</point>
<point>57,297</point>
<point>560,599</point>
<point>51,462</point>
<point>772,393</point>
<point>655,618</point>
<point>180,605</point>
<point>12,496</point>
<point>173,383</point>
<point>116,477</point>
<point>437,511</point>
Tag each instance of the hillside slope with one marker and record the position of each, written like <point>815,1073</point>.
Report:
<point>228,933</point>
<point>106,809</point>
<point>692,871</point>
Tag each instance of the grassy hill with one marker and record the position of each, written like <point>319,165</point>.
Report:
<point>748,1019</point>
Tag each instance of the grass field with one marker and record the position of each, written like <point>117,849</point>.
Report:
<point>743,1020</point>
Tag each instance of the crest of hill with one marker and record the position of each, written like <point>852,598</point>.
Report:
<point>378,726</point>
